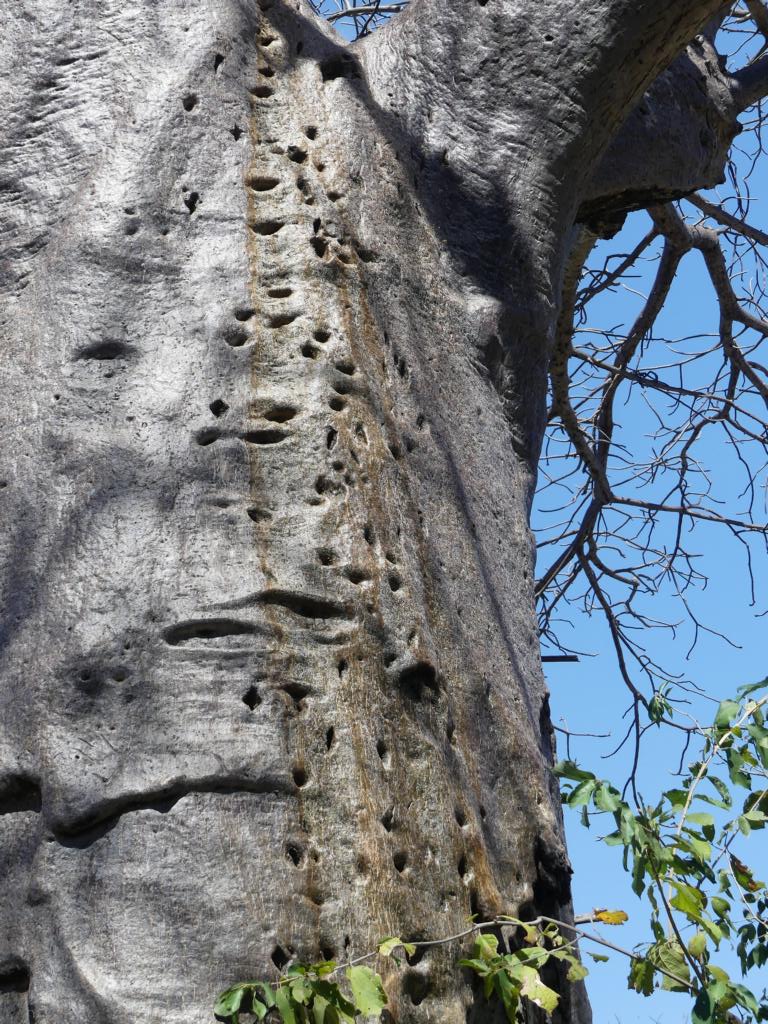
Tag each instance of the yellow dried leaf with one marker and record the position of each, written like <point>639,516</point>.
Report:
<point>611,916</point>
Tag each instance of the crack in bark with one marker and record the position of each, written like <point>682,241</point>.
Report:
<point>85,831</point>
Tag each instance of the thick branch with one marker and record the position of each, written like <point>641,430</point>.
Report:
<point>752,82</point>
<point>675,141</point>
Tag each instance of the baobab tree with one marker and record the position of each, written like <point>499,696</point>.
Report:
<point>279,316</point>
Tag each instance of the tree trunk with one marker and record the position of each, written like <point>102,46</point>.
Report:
<point>277,315</point>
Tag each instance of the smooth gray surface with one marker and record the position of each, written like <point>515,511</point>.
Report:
<point>275,325</point>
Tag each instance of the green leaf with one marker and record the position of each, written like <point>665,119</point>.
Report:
<point>229,1002</point>
<point>745,691</point>
<point>480,967</point>
<point>367,991</point>
<point>720,906</point>
<point>301,991</point>
<point>687,900</point>
<point>541,995</point>
<point>284,1003</point>
<point>641,973</point>
<point>319,1008</point>
<point>700,818</point>
<point>330,990</point>
<point>697,945</point>
<point>258,1008</point>
<point>627,825</point>
<point>725,713</point>
<point>486,946</point>
<point>700,848</point>
<point>570,770</point>
<point>508,991</point>
<point>705,1009</point>
<point>607,798</point>
<point>577,971</point>
<point>388,945</point>
<point>670,956</point>
<point>599,958</point>
<point>722,789</point>
<point>582,794</point>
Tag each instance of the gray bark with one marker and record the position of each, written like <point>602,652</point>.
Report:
<point>276,314</point>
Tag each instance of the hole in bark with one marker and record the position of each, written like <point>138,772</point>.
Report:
<point>261,92</point>
<point>280,413</point>
<point>206,629</point>
<point>111,348</point>
<point>207,436</point>
<point>266,39</point>
<point>321,335</point>
<point>218,407</point>
<point>344,366</point>
<point>450,730</point>
<point>218,60</point>
<point>189,102</point>
<point>266,71</point>
<point>297,154</point>
<point>20,794</point>
<point>416,986</point>
<point>330,438</point>
<point>299,777</point>
<point>339,66</point>
<point>388,819</point>
<point>244,313</point>
<point>400,860</point>
<point>462,867</point>
<point>131,228</point>
<point>279,957</point>
<point>309,351</point>
<point>262,183</point>
<point>319,245</point>
<point>295,853</point>
<point>282,319</point>
<point>325,556</point>
<point>395,582</point>
<point>415,679</point>
<point>236,338</point>
<point>251,698</point>
<point>296,691</point>
<point>328,952</point>
<point>395,451</point>
<point>356,576</point>
<point>461,818</point>
<point>483,812</point>
<point>305,606</point>
<point>311,131</point>
<point>330,736</point>
<point>279,293</point>
<point>191,201</point>
<point>258,515</point>
<point>342,667</point>
<point>15,980</point>
<point>362,865</point>
<point>264,436</point>
<point>337,404</point>
<point>266,227</point>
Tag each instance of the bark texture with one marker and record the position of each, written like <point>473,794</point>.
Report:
<point>276,315</point>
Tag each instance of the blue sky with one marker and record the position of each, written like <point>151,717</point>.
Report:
<point>590,697</point>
